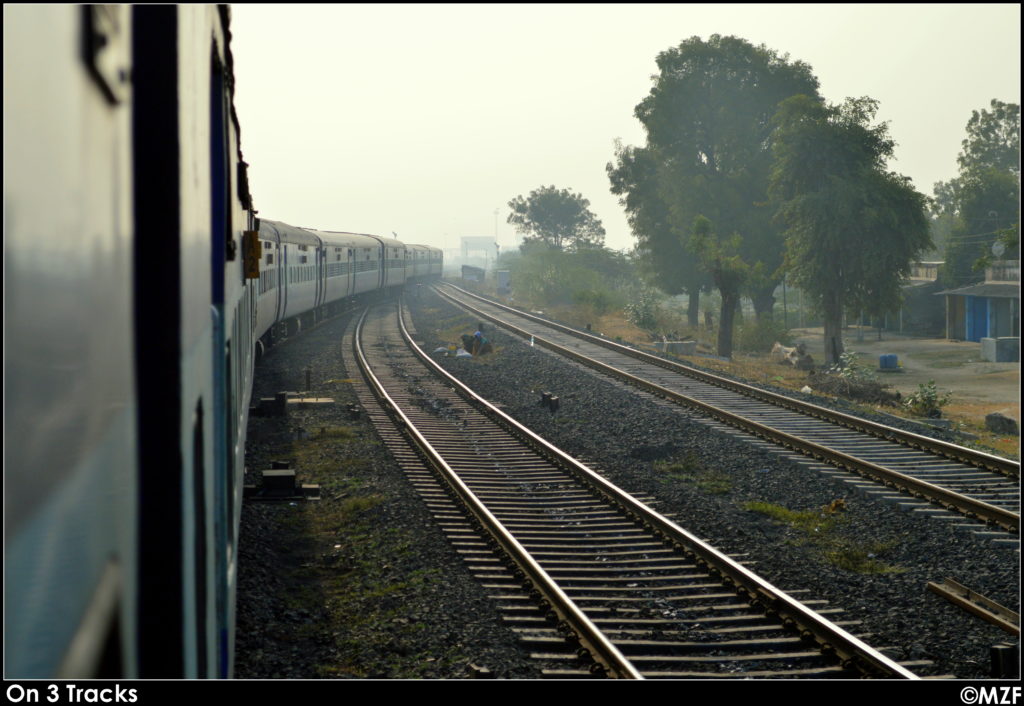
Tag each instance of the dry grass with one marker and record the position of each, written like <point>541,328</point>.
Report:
<point>967,413</point>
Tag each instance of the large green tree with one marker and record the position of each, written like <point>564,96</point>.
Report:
<point>993,139</point>
<point>982,204</point>
<point>556,217</point>
<point>852,228</point>
<point>708,121</point>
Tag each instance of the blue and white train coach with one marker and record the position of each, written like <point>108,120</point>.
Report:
<point>132,316</point>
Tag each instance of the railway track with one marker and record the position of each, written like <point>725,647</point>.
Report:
<point>982,487</point>
<point>639,595</point>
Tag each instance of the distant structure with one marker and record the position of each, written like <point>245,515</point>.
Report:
<point>472,274</point>
<point>921,313</point>
<point>479,250</point>
<point>987,310</point>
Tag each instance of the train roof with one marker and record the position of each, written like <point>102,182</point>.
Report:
<point>286,233</point>
<point>351,240</point>
<point>310,236</point>
<point>332,235</point>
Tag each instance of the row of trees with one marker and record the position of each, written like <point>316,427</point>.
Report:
<point>981,205</point>
<point>748,175</point>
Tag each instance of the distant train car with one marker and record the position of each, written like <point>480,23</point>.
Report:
<point>417,262</point>
<point>379,261</point>
<point>138,288</point>
<point>291,273</point>
<point>435,259</point>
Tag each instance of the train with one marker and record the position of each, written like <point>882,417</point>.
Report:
<point>140,288</point>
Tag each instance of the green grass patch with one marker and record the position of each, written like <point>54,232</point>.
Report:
<point>325,452</point>
<point>803,520</point>
<point>820,529</point>
<point>861,559</point>
<point>351,507</point>
<point>690,470</point>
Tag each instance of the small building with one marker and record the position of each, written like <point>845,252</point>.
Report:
<point>990,309</point>
<point>472,274</point>
<point>485,249</point>
<point>921,314</point>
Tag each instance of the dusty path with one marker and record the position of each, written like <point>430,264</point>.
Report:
<point>978,387</point>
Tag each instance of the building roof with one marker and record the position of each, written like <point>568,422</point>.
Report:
<point>987,289</point>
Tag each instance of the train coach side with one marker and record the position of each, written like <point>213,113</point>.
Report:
<point>129,357</point>
<point>393,257</point>
<point>435,259</point>
<point>379,263</point>
<point>418,262</point>
<point>131,330</point>
<point>292,273</point>
<point>70,473</point>
<point>352,264</point>
<point>194,353</point>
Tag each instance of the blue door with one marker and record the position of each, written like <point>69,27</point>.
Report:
<point>977,318</point>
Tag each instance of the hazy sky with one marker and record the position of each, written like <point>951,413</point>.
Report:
<point>425,119</point>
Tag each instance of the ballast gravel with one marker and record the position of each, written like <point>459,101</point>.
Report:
<point>290,628</point>
<point>361,583</point>
<point>630,437</point>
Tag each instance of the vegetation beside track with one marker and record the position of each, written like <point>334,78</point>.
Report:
<point>750,362</point>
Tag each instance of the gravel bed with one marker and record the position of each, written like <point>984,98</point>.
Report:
<point>922,428</point>
<point>361,583</point>
<point>626,435</point>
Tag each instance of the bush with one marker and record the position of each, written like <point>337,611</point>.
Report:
<point>545,278</point>
<point>849,369</point>
<point>644,308</point>
<point>758,336</point>
<point>927,402</point>
<point>593,300</point>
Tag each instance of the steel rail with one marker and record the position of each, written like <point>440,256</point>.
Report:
<point>968,506</point>
<point>943,448</point>
<point>600,648</point>
<point>977,604</point>
<point>831,638</point>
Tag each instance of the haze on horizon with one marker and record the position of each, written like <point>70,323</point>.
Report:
<point>425,120</point>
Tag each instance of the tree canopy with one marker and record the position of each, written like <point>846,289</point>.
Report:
<point>708,121</point>
<point>852,228</point>
<point>661,249</point>
<point>982,204</point>
<point>557,218</point>
<point>993,139</point>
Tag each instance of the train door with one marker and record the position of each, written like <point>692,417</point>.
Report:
<point>282,292</point>
<point>321,275</point>
<point>351,271</point>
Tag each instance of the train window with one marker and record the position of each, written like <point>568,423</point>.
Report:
<point>303,259</point>
<point>303,248</point>
<point>270,258</point>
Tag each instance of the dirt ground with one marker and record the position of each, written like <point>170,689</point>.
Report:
<point>978,387</point>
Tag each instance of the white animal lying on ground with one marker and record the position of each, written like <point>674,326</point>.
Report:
<point>796,356</point>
